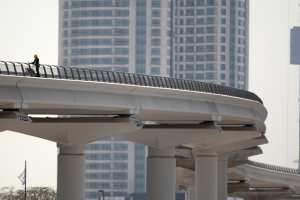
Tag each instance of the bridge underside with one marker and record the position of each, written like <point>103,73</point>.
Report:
<point>214,130</point>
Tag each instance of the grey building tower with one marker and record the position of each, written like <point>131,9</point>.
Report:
<point>119,35</point>
<point>205,40</point>
<point>210,41</point>
<point>295,60</point>
<point>295,46</point>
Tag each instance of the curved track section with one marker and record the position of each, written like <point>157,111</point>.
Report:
<point>93,104</point>
<point>90,74</point>
<point>74,106</point>
<point>268,176</point>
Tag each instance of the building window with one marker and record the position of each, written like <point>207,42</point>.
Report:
<point>189,76</point>
<point>102,156</point>
<point>189,67</point>
<point>156,3</point>
<point>209,75</point>
<point>155,13</point>
<point>210,67</point>
<point>210,20</point>
<point>155,70</point>
<point>120,156</point>
<point>155,51</point>
<point>121,60</point>
<point>120,147</point>
<point>210,11</point>
<point>98,166</point>
<point>121,51</point>
<point>120,175</point>
<point>97,185</point>
<point>223,76</point>
<point>98,147</point>
<point>210,2</point>
<point>199,76</point>
<point>120,185</point>
<point>200,67</point>
<point>155,61</point>
<point>120,166</point>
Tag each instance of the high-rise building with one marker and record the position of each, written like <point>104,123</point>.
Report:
<point>295,60</point>
<point>295,46</point>
<point>119,35</point>
<point>115,167</point>
<point>210,41</point>
<point>205,40</point>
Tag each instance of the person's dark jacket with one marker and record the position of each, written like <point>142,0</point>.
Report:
<point>36,62</point>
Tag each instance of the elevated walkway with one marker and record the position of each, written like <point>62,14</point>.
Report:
<point>266,176</point>
<point>83,105</point>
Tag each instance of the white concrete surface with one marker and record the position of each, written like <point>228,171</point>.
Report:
<point>210,177</point>
<point>70,173</point>
<point>161,174</point>
<point>224,133</point>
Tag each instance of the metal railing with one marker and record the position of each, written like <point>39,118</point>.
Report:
<point>89,74</point>
<point>274,168</point>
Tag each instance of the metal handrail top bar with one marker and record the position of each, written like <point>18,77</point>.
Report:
<point>94,74</point>
<point>275,168</point>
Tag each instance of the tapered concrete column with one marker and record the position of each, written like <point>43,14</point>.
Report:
<point>191,193</point>
<point>210,177</point>
<point>70,172</point>
<point>161,174</point>
<point>222,177</point>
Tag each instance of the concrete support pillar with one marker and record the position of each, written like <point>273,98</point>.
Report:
<point>210,177</point>
<point>161,174</point>
<point>222,177</point>
<point>191,193</point>
<point>70,172</point>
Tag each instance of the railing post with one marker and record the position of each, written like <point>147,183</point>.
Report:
<point>14,68</point>
<point>66,73</point>
<point>45,72</point>
<point>7,70</point>
<point>91,74</point>
<point>58,72</point>
<point>51,71</point>
<point>84,73</point>
<point>22,68</point>
<point>78,73</point>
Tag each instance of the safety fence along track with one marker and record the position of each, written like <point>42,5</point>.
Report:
<point>278,169</point>
<point>91,74</point>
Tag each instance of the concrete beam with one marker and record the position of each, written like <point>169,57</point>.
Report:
<point>268,176</point>
<point>70,132</point>
<point>185,159</point>
<point>47,96</point>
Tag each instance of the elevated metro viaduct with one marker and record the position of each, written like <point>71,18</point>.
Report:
<point>163,113</point>
<point>246,179</point>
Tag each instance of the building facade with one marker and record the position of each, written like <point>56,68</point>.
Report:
<point>115,167</point>
<point>205,40</point>
<point>295,60</point>
<point>295,46</point>
<point>210,41</point>
<point>119,35</point>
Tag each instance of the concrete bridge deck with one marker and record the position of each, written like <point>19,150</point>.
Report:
<point>83,105</point>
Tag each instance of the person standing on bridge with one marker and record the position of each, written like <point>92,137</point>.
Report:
<point>36,62</point>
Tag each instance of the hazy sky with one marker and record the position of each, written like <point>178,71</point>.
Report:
<point>273,79</point>
<point>31,26</point>
<point>28,27</point>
